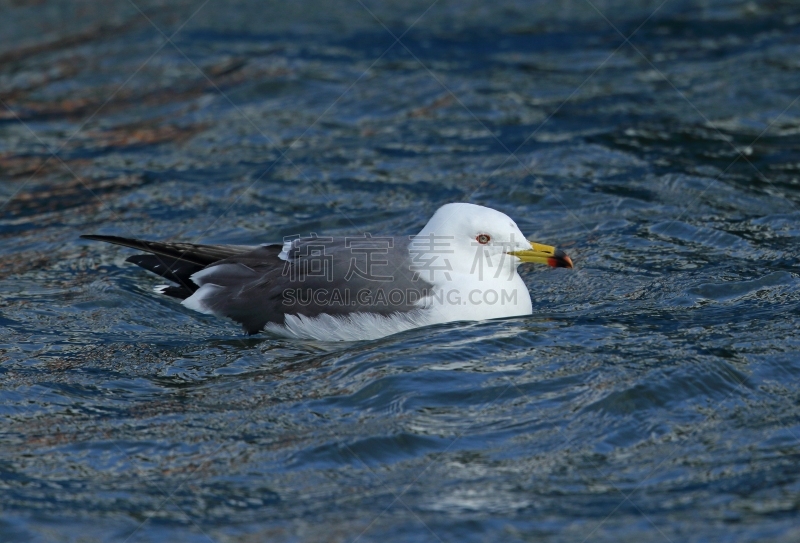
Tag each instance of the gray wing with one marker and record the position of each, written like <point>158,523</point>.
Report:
<point>258,285</point>
<point>331,276</point>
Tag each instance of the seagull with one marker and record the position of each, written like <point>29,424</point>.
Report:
<point>462,266</point>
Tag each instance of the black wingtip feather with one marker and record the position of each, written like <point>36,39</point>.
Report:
<point>177,292</point>
<point>172,269</point>
<point>202,255</point>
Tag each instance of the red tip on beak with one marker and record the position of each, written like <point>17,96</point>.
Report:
<point>559,260</point>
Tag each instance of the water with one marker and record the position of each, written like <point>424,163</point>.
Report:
<point>652,395</point>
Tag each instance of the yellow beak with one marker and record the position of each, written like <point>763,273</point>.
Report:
<point>544,254</point>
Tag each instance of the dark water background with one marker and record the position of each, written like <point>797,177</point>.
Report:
<point>652,396</point>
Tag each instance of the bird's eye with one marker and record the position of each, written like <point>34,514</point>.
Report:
<point>483,239</point>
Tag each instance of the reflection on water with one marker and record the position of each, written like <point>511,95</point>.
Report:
<point>662,369</point>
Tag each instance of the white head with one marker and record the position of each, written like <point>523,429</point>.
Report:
<point>464,234</point>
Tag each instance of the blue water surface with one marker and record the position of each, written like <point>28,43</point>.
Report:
<point>653,394</point>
